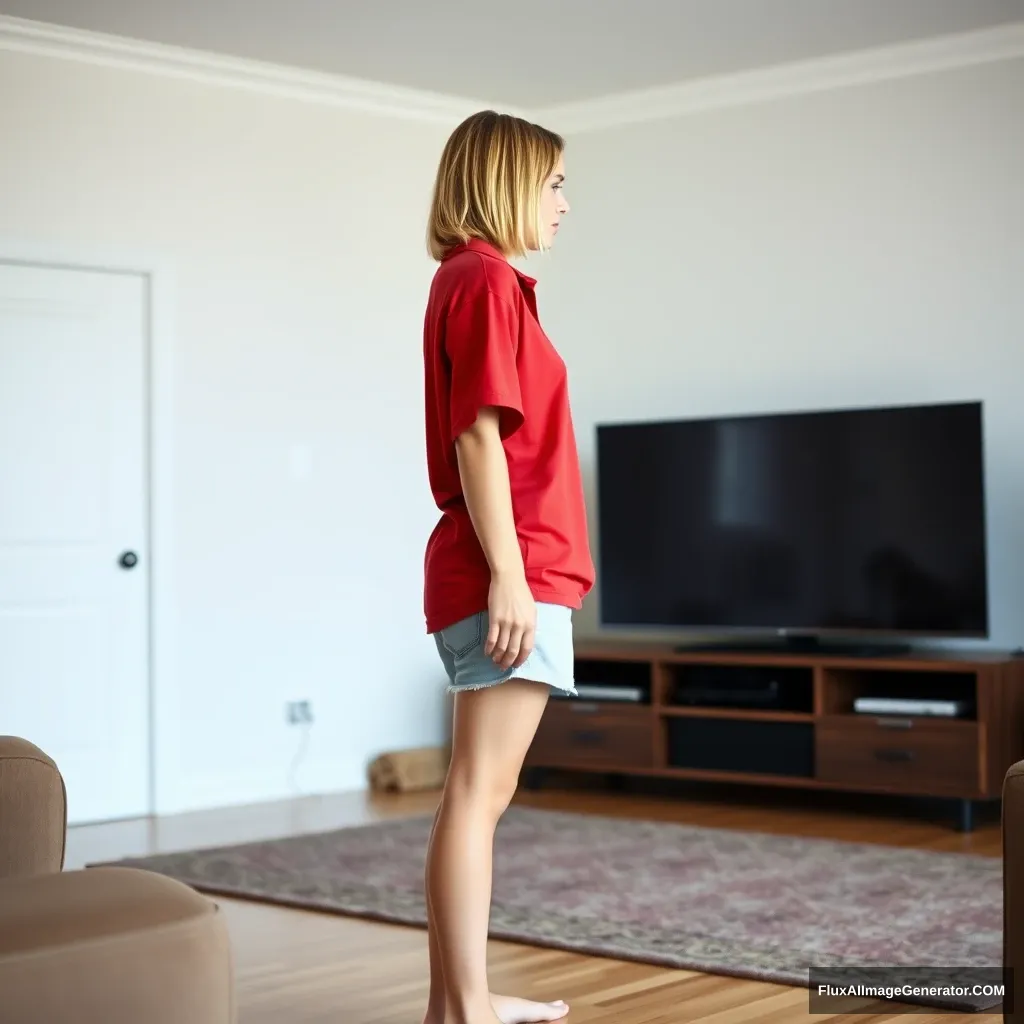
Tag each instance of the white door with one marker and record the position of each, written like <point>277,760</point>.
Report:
<point>74,638</point>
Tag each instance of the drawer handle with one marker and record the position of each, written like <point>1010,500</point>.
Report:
<point>587,737</point>
<point>894,755</point>
<point>584,708</point>
<point>895,723</point>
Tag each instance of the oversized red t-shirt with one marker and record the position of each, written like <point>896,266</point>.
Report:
<point>483,346</point>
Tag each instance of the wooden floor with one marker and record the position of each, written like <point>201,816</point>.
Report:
<point>308,968</point>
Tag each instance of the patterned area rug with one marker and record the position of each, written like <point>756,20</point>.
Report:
<point>713,900</point>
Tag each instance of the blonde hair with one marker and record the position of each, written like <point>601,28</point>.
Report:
<point>488,184</point>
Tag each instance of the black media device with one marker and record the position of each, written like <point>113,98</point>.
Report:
<point>846,529</point>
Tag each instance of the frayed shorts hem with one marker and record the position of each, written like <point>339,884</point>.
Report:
<point>517,674</point>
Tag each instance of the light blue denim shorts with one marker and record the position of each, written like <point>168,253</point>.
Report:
<point>551,661</point>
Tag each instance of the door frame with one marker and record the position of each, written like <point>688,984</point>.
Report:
<point>157,272</point>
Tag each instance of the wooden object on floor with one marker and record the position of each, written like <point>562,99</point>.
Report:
<point>802,731</point>
<point>407,771</point>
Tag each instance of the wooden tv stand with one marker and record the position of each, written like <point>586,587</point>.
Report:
<point>801,732</point>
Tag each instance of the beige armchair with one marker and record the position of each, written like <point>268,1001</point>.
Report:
<point>105,945</point>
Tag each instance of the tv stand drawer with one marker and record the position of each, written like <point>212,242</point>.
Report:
<point>589,734</point>
<point>906,755</point>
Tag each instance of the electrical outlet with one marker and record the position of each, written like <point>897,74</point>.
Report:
<point>299,712</point>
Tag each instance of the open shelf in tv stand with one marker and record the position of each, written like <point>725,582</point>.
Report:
<point>810,738</point>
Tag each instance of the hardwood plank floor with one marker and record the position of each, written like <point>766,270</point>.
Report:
<point>298,967</point>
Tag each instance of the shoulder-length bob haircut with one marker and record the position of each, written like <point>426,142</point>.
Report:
<point>489,182</point>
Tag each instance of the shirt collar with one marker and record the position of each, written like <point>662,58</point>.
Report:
<point>478,245</point>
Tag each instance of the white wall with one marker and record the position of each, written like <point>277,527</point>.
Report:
<point>859,246</point>
<point>294,237</point>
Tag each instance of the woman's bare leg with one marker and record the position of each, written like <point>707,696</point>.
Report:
<point>435,998</point>
<point>509,1009</point>
<point>492,731</point>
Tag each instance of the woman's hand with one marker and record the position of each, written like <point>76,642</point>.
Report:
<point>513,619</point>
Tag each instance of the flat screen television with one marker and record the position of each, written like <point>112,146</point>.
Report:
<point>864,523</point>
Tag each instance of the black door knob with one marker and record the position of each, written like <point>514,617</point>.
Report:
<point>129,560</point>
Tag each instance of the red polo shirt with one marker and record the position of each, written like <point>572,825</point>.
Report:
<point>483,346</point>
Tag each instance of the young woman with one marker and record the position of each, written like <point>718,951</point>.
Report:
<point>509,559</point>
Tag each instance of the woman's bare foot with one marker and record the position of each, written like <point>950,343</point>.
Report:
<point>513,1010</point>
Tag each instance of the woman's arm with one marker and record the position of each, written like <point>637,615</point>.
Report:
<point>483,470</point>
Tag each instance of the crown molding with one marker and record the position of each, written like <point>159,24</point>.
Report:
<point>862,67</point>
<point>760,85</point>
<point>43,39</point>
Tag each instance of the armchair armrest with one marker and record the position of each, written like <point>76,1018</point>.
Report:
<point>33,810</point>
<point>1013,885</point>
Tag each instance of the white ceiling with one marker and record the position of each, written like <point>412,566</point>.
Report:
<point>525,53</point>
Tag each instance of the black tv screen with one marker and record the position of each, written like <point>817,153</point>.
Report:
<point>846,521</point>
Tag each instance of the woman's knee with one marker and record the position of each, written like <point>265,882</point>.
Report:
<point>488,787</point>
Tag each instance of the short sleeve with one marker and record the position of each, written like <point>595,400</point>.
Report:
<point>481,341</point>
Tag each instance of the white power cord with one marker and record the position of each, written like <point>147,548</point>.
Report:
<point>300,753</point>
